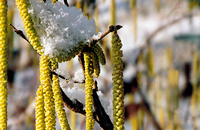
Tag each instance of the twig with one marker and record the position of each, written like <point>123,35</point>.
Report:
<point>67,80</point>
<point>20,33</point>
<point>111,29</point>
<point>102,117</point>
<point>66,3</point>
<point>75,105</point>
<point>99,114</point>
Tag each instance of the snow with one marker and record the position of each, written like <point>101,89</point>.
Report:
<point>61,28</point>
<point>79,76</point>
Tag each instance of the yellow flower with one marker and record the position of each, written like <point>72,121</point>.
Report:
<point>88,91</point>
<point>118,88</point>
<point>3,64</point>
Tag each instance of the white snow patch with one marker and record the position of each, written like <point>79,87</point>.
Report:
<point>79,76</point>
<point>60,28</point>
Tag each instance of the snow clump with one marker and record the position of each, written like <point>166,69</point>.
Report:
<point>63,30</point>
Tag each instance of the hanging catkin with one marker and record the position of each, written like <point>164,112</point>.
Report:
<point>50,121</point>
<point>58,99</point>
<point>3,65</point>
<point>88,90</point>
<point>118,87</point>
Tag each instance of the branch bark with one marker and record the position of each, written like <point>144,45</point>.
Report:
<point>99,114</point>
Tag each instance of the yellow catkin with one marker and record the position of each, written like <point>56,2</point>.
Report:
<point>195,69</point>
<point>88,91</point>
<point>157,5</point>
<point>150,62</point>
<point>3,64</point>
<point>96,17</point>
<point>39,110</point>
<point>112,12</point>
<point>22,6</point>
<point>54,1</point>
<point>58,100</point>
<point>78,4</point>
<point>73,120</point>
<point>169,57</point>
<point>118,87</point>
<point>134,9</point>
<point>48,94</point>
<point>85,8</point>
<point>113,19</point>
<point>100,54</point>
<point>11,11</point>
<point>96,65</point>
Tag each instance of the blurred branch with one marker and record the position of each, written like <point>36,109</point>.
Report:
<point>147,109</point>
<point>161,28</point>
<point>133,108</point>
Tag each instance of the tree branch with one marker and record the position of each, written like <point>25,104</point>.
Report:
<point>99,114</point>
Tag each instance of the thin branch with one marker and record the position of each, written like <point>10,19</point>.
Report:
<point>66,3</point>
<point>112,28</point>
<point>103,118</point>
<point>99,114</point>
<point>75,105</point>
<point>20,33</point>
<point>67,80</point>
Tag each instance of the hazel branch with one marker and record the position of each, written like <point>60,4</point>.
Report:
<point>66,3</point>
<point>99,114</point>
<point>67,80</point>
<point>20,33</point>
<point>112,28</point>
<point>102,117</point>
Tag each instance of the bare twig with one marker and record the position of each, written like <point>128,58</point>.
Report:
<point>99,114</point>
<point>75,105</point>
<point>102,117</point>
<point>66,3</point>
<point>20,33</point>
<point>111,29</point>
<point>67,80</point>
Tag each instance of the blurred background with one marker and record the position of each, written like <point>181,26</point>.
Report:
<point>161,43</point>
